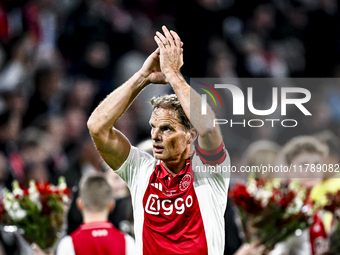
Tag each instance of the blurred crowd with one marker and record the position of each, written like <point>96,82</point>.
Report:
<point>60,58</point>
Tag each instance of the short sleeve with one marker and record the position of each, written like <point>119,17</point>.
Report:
<point>130,245</point>
<point>212,167</point>
<point>65,246</point>
<point>136,161</point>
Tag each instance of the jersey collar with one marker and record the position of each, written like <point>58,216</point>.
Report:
<point>163,173</point>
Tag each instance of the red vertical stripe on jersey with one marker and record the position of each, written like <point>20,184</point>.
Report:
<point>172,221</point>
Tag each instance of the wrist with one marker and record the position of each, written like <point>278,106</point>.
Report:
<point>174,77</point>
<point>143,77</point>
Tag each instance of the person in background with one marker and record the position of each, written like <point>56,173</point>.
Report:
<point>302,152</point>
<point>261,152</point>
<point>122,215</point>
<point>96,235</point>
<point>330,182</point>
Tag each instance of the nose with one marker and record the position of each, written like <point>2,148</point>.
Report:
<point>155,134</point>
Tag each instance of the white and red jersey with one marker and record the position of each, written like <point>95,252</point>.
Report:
<point>181,214</point>
<point>100,238</point>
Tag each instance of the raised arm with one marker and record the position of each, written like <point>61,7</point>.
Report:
<point>171,60</point>
<point>110,142</point>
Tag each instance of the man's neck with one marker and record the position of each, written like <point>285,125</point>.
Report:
<point>90,217</point>
<point>173,169</point>
<point>175,166</point>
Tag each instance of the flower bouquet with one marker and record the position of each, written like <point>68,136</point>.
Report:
<point>38,211</point>
<point>333,206</point>
<point>271,211</point>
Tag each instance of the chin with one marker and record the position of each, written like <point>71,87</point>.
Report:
<point>160,156</point>
<point>157,156</point>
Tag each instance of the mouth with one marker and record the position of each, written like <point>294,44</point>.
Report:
<point>158,148</point>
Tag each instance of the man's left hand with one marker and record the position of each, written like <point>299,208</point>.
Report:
<point>171,51</point>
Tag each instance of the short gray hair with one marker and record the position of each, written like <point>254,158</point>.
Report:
<point>303,143</point>
<point>95,192</point>
<point>171,102</point>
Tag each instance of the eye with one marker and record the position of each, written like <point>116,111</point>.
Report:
<point>165,128</point>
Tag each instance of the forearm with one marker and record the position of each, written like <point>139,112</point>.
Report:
<point>171,60</point>
<point>115,104</point>
<point>191,104</point>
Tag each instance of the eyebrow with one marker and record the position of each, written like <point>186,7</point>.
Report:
<point>166,125</point>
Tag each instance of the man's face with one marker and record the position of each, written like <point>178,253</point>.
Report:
<point>305,158</point>
<point>167,134</point>
<point>304,172</point>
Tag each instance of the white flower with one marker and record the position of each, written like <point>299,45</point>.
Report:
<point>298,204</point>
<point>295,207</point>
<point>32,187</point>
<point>264,195</point>
<point>8,195</point>
<point>34,195</point>
<point>19,214</point>
<point>11,214</point>
<point>62,186</point>
<point>277,183</point>
<point>337,212</point>
<point>33,192</point>
<point>8,204</point>
<point>308,210</point>
<point>251,187</point>
<point>65,199</point>
<point>8,199</point>
<point>53,188</point>
<point>14,209</point>
<point>17,191</point>
<point>16,206</point>
<point>295,185</point>
<point>62,183</point>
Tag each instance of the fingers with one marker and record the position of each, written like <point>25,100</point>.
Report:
<point>157,51</point>
<point>169,38</point>
<point>178,42</point>
<point>159,42</point>
<point>163,39</point>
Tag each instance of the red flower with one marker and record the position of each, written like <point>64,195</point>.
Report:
<point>243,199</point>
<point>259,218</point>
<point>287,199</point>
<point>26,192</point>
<point>2,208</point>
<point>333,201</point>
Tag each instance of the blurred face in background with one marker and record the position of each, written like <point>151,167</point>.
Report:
<point>119,188</point>
<point>303,162</point>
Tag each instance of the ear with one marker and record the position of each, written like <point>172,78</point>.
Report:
<point>193,135</point>
<point>80,204</point>
<point>112,205</point>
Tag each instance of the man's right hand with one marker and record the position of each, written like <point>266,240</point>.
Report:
<point>112,145</point>
<point>151,70</point>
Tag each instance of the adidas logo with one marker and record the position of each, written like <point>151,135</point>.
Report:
<point>157,186</point>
